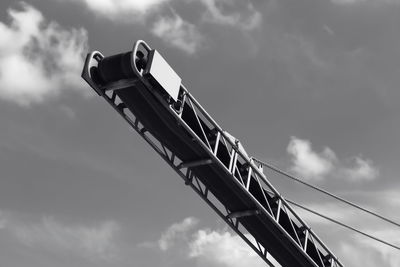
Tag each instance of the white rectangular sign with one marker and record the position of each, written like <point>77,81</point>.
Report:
<point>162,72</point>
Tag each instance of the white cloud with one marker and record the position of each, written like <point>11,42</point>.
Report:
<point>314,166</point>
<point>38,59</point>
<point>216,14</point>
<point>345,2</point>
<point>240,14</point>
<point>370,252</point>
<point>375,2</point>
<point>391,197</point>
<point>178,32</point>
<point>121,9</point>
<point>387,253</point>
<point>3,220</point>
<point>175,232</point>
<point>95,242</point>
<point>173,29</point>
<point>308,163</point>
<point>221,248</point>
<point>354,255</point>
<point>68,111</point>
<point>361,170</point>
<point>207,247</point>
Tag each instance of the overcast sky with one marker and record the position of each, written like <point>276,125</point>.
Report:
<point>309,85</point>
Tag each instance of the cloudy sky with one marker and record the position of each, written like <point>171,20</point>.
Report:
<point>311,86</point>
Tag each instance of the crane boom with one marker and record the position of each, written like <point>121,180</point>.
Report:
<point>149,95</point>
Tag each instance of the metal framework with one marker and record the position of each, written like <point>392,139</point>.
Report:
<point>268,224</point>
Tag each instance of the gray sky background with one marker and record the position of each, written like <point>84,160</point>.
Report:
<point>312,86</point>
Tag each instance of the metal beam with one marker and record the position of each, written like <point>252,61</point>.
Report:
<point>244,213</point>
<point>121,84</point>
<point>195,163</point>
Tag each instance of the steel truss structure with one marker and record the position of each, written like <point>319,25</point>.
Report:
<point>219,170</point>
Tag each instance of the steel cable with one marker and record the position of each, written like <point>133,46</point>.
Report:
<point>343,224</point>
<point>276,169</point>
